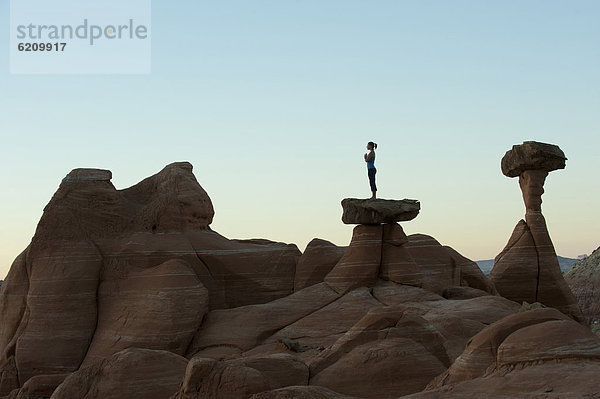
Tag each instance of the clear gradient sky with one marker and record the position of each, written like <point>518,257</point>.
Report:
<point>274,101</point>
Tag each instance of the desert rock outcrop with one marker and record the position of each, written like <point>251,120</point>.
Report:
<point>98,250</point>
<point>130,294</point>
<point>584,280</point>
<point>527,269</point>
<point>319,257</point>
<point>132,373</point>
<point>543,345</point>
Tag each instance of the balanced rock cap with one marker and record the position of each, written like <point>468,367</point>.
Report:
<point>532,155</point>
<point>377,211</point>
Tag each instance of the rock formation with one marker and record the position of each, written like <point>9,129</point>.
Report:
<point>131,373</point>
<point>130,294</point>
<point>377,211</point>
<point>527,269</point>
<point>318,259</point>
<point>126,268</point>
<point>584,280</point>
<point>508,358</point>
<point>382,250</point>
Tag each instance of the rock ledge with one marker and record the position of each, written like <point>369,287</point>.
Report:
<point>377,211</point>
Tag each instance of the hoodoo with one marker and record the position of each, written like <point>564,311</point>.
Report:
<point>527,269</point>
<point>130,294</point>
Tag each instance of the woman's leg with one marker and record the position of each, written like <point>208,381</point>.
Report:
<point>372,182</point>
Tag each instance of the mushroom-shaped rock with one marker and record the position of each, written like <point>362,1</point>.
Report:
<point>527,269</point>
<point>532,155</point>
<point>377,211</point>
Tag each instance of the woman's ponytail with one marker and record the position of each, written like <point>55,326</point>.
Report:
<point>372,144</point>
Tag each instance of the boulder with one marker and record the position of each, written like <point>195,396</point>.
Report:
<point>131,373</point>
<point>532,155</point>
<point>377,211</point>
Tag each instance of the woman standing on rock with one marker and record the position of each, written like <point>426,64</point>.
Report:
<point>370,160</point>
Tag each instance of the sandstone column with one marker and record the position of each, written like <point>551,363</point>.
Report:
<point>527,269</point>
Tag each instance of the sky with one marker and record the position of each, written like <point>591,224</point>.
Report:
<point>273,103</point>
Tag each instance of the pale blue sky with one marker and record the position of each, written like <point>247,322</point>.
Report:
<point>274,101</point>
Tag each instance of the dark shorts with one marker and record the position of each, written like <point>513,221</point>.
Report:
<point>372,172</point>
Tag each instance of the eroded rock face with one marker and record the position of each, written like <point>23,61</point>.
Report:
<point>482,351</point>
<point>245,327</point>
<point>123,268</point>
<point>319,257</point>
<point>543,347</point>
<point>527,269</point>
<point>139,279</point>
<point>158,308</point>
<point>301,392</point>
<point>132,373</point>
<point>584,280</point>
<point>377,211</point>
<point>207,378</point>
<point>385,252</point>
<point>386,368</point>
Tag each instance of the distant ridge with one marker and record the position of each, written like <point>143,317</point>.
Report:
<point>565,264</point>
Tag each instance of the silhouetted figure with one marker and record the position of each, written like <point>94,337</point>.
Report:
<point>371,170</point>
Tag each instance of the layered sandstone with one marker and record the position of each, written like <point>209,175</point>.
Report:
<point>385,252</point>
<point>527,270</point>
<point>130,294</point>
<point>126,268</point>
<point>584,280</point>
<point>319,257</point>
<point>538,351</point>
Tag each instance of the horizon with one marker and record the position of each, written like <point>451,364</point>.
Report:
<point>274,102</point>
